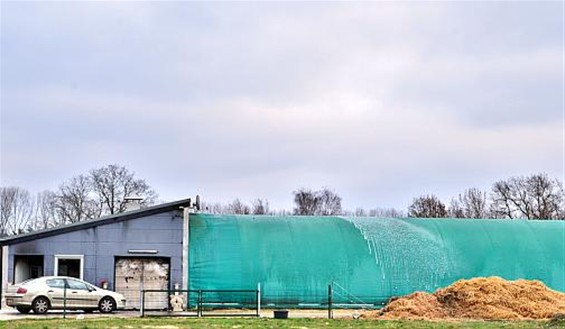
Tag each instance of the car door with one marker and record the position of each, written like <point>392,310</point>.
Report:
<point>93,295</point>
<point>78,294</point>
<point>56,292</point>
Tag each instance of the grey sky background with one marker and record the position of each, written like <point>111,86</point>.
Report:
<point>380,101</point>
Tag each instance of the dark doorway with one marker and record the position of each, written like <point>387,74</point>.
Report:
<point>27,267</point>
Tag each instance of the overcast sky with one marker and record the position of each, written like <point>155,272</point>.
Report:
<point>380,101</point>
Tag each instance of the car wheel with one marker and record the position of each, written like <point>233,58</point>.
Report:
<point>40,305</point>
<point>106,305</point>
<point>23,310</point>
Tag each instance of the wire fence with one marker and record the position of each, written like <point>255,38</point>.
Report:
<point>207,303</point>
<point>201,303</point>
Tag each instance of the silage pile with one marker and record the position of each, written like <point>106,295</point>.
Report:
<point>479,298</point>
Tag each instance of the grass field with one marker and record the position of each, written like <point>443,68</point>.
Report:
<point>241,323</point>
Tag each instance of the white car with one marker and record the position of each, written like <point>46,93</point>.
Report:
<point>58,292</point>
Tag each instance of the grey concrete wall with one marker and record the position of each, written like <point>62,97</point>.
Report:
<point>100,245</point>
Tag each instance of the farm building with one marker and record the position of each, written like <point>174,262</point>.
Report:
<point>368,260</point>
<point>294,259</point>
<point>126,252</point>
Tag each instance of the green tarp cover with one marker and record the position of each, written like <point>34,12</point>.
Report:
<point>369,260</point>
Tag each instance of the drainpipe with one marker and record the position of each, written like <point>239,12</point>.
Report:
<point>185,251</point>
<point>4,275</point>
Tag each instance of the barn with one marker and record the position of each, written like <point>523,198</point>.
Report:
<point>294,258</point>
<point>367,260</point>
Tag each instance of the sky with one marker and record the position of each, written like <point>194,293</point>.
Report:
<point>379,101</point>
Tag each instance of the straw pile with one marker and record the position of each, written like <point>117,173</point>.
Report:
<point>479,298</point>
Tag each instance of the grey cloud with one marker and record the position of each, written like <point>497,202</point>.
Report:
<point>381,101</point>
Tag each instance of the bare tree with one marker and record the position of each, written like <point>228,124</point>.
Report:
<point>532,197</point>
<point>456,209</point>
<point>324,202</point>
<point>386,212</point>
<point>472,203</point>
<point>45,214</point>
<point>80,198</point>
<point>113,183</point>
<point>85,197</point>
<point>6,200</point>
<point>427,206</point>
<point>76,202</point>
<point>329,204</point>
<point>306,201</point>
<point>239,208</point>
<point>260,207</point>
<point>360,212</point>
<point>213,207</point>
<point>16,210</point>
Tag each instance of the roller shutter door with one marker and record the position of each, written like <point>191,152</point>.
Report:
<point>136,274</point>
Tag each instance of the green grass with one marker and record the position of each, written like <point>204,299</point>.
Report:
<point>243,323</point>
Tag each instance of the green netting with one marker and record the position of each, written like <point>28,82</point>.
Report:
<point>369,259</point>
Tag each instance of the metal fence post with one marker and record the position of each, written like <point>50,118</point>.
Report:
<point>199,307</point>
<point>65,301</point>
<point>142,307</point>
<point>188,299</point>
<point>330,301</point>
<point>169,306</point>
<point>259,299</point>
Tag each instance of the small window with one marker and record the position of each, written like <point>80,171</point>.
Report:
<point>77,285</point>
<point>56,283</point>
<point>69,265</point>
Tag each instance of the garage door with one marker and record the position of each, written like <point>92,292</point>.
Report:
<point>136,274</point>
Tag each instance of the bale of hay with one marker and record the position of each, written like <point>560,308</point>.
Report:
<point>490,298</point>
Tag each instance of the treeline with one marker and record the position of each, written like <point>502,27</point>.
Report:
<point>103,191</point>
<point>522,197</point>
<point>308,202</point>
